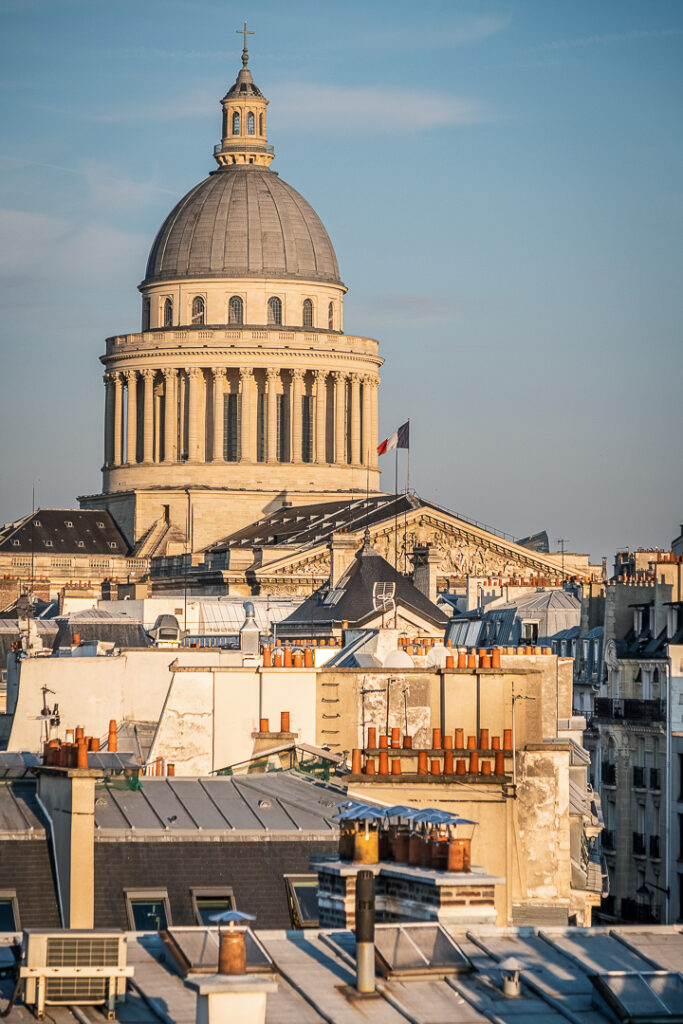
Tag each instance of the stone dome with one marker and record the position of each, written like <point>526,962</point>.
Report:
<point>242,221</point>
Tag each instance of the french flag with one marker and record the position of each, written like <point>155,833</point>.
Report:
<point>399,439</point>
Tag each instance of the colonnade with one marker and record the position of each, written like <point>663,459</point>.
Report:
<point>292,414</point>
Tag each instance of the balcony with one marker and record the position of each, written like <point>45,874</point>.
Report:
<point>609,774</point>
<point>655,782</point>
<point>654,847</point>
<point>630,710</point>
<point>638,844</point>
<point>639,778</point>
<point>608,840</point>
<point>640,913</point>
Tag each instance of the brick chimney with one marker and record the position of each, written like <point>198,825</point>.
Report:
<point>425,563</point>
<point>342,552</point>
<point>67,796</point>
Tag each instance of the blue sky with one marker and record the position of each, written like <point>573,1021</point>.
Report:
<point>503,184</point>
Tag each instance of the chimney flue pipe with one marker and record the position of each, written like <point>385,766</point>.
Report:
<point>365,931</point>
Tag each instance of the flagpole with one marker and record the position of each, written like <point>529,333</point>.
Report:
<point>405,510</point>
<point>396,510</point>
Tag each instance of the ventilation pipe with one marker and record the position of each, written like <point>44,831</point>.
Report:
<point>509,969</point>
<point>365,932</point>
<point>250,637</point>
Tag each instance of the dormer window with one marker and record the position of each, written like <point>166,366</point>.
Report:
<point>15,543</point>
<point>307,313</point>
<point>236,310</point>
<point>81,544</point>
<point>251,124</point>
<point>68,523</point>
<point>198,310</point>
<point>168,313</point>
<point>100,526</point>
<point>113,545</point>
<point>274,310</point>
<point>236,123</point>
<point>36,522</point>
<point>49,544</point>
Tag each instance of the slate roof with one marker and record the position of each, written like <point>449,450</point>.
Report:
<point>63,531</point>
<point>313,524</point>
<point>283,802</point>
<point>242,221</point>
<point>354,602</point>
<point>564,973</point>
<point>93,625</point>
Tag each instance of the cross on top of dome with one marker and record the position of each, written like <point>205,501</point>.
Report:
<point>245,53</point>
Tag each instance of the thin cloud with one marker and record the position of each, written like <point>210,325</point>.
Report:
<point>308,107</point>
<point>466,32</point>
<point>610,38</point>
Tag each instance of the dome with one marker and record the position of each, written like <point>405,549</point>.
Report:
<point>242,221</point>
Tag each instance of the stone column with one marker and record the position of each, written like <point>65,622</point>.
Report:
<point>248,418</point>
<point>218,420</point>
<point>366,433</point>
<point>194,425</point>
<point>339,417</point>
<point>272,378</point>
<point>148,417</point>
<point>374,438</point>
<point>355,420</point>
<point>108,419</point>
<point>132,419</point>
<point>297,436</point>
<point>170,416</point>
<point>118,420</point>
<point>320,416</point>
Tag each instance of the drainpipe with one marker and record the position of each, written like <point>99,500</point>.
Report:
<point>669,782</point>
<point>365,931</point>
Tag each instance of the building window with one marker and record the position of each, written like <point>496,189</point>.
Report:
<point>209,901</point>
<point>49,544</point>
<point>15,543</point>
<point>530,632</point>
<point>146,307</point>
<point>148,909</point>
<point>281,428</point>
<point>198,310</point>
<point>251,124</point>
<point>260,124</point>
<point>302,897</point>
<point>307,428</point>
<point>261,426</point>
<point>274,310</point>
<point>236,310</point>
<point>307,313</point>
<point>168,313</point>
<point>9,911</point>
<point>225,122</point>
<point>231,428</point>
<point>330,316</point>
<point>236,123</point>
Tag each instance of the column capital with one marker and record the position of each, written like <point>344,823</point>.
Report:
<point>338,375</point>
<point>320,374</point>
<point>246,373</point>
<point>272,374</point>
<point>297,373</point>
<point>355,377</point>
<point>218,372</point>
<point>147,373</point>
<point>108,379</point>
<point>194,372</point>
<point>170,373</point>
<point>129,375</point>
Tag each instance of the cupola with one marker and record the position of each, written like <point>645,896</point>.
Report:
<point>243,135</point>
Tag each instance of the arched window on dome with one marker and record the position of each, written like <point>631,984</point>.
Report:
<point>251,124</point>
<point>307,313</point>
<point>236,310</point>
<point>198,310</point>
<point>146,308</point>
<point>274,310</point>
<point>168,313</point>
<point>236,123</point>
<point>330,316</point>
<point>260,124</point>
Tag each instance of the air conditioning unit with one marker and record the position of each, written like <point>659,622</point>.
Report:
<point>74,967</point>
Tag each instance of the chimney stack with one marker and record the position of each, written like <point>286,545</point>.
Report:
<point>365,931</point>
